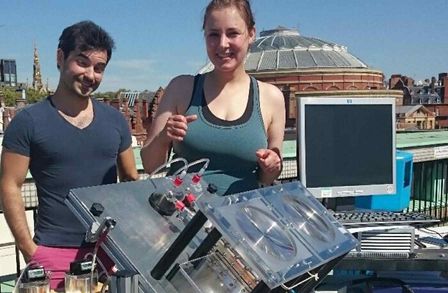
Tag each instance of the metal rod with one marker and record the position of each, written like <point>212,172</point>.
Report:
<point>204,248</point>
<point>178,245</point>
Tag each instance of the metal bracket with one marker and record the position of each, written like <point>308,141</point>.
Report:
<point>97,230</point>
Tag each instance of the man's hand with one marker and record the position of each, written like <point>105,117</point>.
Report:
<point>177,125</point>
<point>269,161</point>
<point>28,251</point>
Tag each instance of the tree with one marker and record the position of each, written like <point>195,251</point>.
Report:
<point>10,95</point>
<point>33,96</point>
<point>105,95</point>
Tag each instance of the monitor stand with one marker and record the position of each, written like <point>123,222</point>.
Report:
<point>338,204</point>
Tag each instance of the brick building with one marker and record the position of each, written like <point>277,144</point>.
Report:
<point>137,107</point>
<point>432,93</point>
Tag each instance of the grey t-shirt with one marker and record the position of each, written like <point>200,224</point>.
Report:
<point>63,157</point>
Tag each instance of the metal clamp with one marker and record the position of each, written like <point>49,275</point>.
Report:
<point>97,230</point>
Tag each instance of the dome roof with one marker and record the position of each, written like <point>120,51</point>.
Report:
<point>285,49</point>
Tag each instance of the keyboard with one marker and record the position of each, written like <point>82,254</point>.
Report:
<point>380,218</point>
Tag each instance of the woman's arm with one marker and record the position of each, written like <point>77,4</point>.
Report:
<point>169,124</point>
<point>273,109</point>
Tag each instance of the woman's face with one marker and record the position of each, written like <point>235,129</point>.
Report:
<point>227,38</point>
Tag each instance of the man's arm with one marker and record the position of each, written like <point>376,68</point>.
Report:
<point>13,171</point>
<point>127,170</point>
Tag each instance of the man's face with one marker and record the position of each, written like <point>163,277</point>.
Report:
<point>82,72</point>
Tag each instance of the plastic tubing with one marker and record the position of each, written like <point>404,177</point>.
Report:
<point>206,161</point>
<point>167,164</point>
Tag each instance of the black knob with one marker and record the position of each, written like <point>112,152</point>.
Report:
<point>96,209</point>
<point>212,188</point>
<point>160,202</point>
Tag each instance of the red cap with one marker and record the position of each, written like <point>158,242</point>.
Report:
<point>178,181</point>
<point>196,178</point>
<point>179,205</point>
<point>190,198</point>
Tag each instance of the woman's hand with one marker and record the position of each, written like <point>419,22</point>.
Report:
<point>177,125</point>
<point>269,161</point>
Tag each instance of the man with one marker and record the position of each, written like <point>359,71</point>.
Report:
<point>66,141</point>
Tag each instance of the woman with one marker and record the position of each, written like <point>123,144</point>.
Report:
<point>224,115</point>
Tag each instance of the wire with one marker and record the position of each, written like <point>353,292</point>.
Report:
<point>206,161</point>
<point>167,165</point>
<point>311,276</point>
<point>103,268</point>
<point>19,280</point>
<point>431,231</point>
<point>100,240</point>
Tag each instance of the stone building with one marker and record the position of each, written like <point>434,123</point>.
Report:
<point>37,75</point>
<point>414,117</point>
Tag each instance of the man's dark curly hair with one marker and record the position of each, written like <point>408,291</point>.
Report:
<point>85,35</point>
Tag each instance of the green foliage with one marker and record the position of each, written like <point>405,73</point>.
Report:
<point>33,96</point>
<point>105,95</point>
<point>10,95</point>
<point>109,95</point>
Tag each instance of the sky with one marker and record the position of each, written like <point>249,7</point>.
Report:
<point>157,40</point>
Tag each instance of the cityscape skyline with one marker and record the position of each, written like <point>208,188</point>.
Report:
<point>156,41</point>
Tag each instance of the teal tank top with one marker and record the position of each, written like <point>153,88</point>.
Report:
<point>230,145</point>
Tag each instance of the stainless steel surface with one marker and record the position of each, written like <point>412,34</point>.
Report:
<point>141,235</point>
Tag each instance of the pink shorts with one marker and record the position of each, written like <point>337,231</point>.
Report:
<point>57,261</point>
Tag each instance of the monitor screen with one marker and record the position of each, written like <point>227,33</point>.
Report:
<point>346,145</point>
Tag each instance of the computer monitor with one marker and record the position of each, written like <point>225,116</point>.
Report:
<point>346,145</point>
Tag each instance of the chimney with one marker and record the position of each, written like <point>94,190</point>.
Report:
<point>115,103</point>
<point>409,82</point>
<point>138,129</point>
<point>433,85</point>
<point>20,103</point>
<point>442,78</point>
<point>394,80</point>
<point>445,89</point>
<point>144,109</point>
